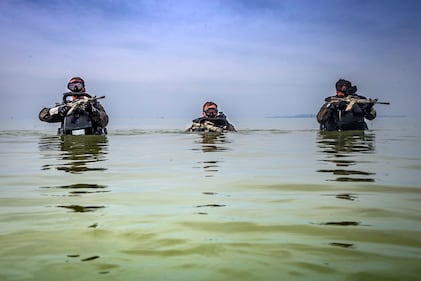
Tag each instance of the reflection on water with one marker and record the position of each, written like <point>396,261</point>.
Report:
<point>79,153</point>
<point>80,188</point>
<point>212,142</point>
<point>345,150</point>
<point>346,196</point>
<point>342,223</point>
<point>75,155</point>
<point>266,214</point>
<point>342,245</point>
<point>81,209</point>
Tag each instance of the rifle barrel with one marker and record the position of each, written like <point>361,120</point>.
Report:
<point>374,101</point>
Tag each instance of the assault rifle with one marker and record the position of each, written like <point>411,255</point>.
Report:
<point>79,103</point>
<point>206,126</point>
<point>353,100</point>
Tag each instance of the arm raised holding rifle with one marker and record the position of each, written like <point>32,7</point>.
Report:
<point>88,104</point>
<point>346,110</point>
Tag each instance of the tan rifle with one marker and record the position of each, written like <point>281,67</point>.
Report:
<point>352,100</point>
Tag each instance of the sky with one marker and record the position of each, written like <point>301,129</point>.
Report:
<point>154,59</point>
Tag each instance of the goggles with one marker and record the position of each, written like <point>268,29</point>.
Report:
<point>75,86</point>
<point>211,112</point>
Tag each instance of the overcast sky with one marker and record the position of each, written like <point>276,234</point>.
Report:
<point>166,58</point>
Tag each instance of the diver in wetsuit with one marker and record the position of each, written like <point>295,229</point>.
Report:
<point>211,120</point>
<point>88,115</point>
<point>346,110</point>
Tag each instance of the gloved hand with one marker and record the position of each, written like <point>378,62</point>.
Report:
<point>341,105</point>
<point>367,107</point>
<point>62,110</point>
<point>90,108</point>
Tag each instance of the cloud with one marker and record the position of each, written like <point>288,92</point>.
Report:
<point>280,57</point>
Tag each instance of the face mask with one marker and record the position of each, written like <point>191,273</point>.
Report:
<point>75,86</point>
<point>211,112</point>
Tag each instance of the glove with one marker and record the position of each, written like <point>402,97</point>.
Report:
<point>91,109</point>
<point>62,110</point>
<point>367,107</point>
<point>341,105</point>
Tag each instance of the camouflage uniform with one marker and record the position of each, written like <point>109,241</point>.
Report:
<point>96,111</point>
<point>341,116</point>
<point>218,124</point>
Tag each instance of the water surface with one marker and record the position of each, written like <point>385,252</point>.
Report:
<point>278,201</point>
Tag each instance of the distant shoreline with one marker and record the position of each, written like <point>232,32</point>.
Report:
<point>314,116</point>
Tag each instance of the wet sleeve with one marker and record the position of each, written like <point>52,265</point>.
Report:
<point>230,127</point>
<point>324,113</point>
<point>46,116</point>
<point>100,116</point>
<point>370,114</point>
<point>368,111</point>
<point>225,123</point>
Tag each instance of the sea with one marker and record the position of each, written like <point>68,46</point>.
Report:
<point>277,200</point>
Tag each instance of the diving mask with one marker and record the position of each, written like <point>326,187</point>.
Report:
<point>211,112</point>
<point>75,86</point>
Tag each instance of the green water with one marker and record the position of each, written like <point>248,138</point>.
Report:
<point>276,203</point>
